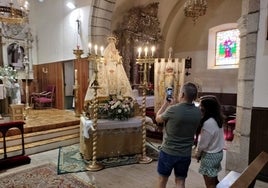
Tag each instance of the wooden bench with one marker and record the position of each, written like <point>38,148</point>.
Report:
<point>247,177</point>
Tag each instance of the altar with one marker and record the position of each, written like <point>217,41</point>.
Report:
<point>114,137</point>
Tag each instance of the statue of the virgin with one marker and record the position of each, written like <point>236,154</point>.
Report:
<point>112,77</point>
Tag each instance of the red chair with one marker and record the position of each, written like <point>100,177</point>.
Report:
<point>230,128</point>
<point>45,99</point>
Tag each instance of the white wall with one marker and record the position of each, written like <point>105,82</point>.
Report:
<point>261,75</point>
<point>216,80</point>
<point>55,30</point>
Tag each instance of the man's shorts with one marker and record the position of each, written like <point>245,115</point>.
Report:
<point>166,163</point>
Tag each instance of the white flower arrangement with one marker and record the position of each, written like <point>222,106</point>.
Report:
<point>8,76</point>
<point>8,73</point>
<point>118,107</point>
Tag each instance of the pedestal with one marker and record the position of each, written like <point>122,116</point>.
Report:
<point>114,138</point>
<point>16,112</point>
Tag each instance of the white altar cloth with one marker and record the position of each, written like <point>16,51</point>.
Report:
<point>111,124</point>
<point>149,101</point>
<point>114,137</point>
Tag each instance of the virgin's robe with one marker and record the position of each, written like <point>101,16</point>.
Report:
<point>112,78</point>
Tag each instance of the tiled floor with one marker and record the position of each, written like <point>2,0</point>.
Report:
<point>131,176</point>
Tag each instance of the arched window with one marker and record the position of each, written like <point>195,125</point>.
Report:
<point>223,47</point>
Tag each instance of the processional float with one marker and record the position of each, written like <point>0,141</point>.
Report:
<point>96,59</point>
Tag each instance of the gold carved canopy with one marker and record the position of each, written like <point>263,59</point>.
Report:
<point>139,27</point>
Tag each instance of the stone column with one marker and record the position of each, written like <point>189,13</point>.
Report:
<point>238,152</point>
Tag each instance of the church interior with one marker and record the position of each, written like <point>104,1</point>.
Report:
<point>93,73</point>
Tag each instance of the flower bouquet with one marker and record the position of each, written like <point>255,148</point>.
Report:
<point>8,76</point>
<point>118,107</point>
<point>8,73</point>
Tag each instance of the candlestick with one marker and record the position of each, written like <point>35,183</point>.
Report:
<point>78,52</point>
<point>77,108</point>
<point>145,62</point>
<point>94,165</point>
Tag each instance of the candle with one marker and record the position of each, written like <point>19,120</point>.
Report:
<point>153,49</point>
<point>27,69</point>
<point>96,49</point>
<point>101,49</point>
<point>75,74</point>
<point>146,51</point>
<point>89,47</point>
<point>139,52</point>
<point>26,5</point>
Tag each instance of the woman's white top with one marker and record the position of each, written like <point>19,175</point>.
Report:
<point>211,138</point>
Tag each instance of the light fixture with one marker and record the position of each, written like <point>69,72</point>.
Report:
<point>70,5</point>
<point>195,8</point>
<point>14,13</point>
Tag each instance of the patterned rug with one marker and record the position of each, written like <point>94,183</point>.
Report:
<point>70,159</point>
<point>44,176</point>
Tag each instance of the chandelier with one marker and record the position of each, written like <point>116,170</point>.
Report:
<point>14,13</point>
<point>195,8</point>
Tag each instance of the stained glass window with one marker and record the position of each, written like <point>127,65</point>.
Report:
<point>227,47</point>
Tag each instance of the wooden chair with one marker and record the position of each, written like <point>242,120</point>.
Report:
<point>247,177</point>
<point>19,159</point>
<point>44,99</point>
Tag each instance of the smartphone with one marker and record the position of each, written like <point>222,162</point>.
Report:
<point>169,93</point>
